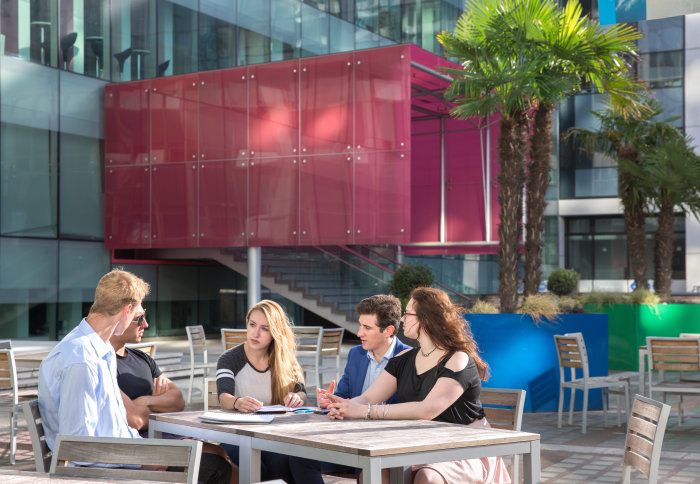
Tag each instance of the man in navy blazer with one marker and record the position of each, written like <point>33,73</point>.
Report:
<point>379,322</point>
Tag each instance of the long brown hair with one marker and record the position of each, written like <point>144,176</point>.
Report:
<point>444,323</point>
<point>285,371</point>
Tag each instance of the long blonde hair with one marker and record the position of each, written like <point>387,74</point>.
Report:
<point>285,371</point>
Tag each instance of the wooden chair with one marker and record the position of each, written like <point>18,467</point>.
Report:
<point>211,400</point>
<point>176,454</point>
<point>198,345</point>
<point>571,351</point>
<point>5,344</point>
<point>645,436</point>
<point>330,348</point>
<point>504,410</point>
<point>42,453</point>
<point>231,338</point>
<point>674,354</point>
<point>309,341</point>
<point>148,348</point>
<point>10,396</point>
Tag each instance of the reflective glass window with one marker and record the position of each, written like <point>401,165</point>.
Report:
<point>177,39</point>
<point>84,37</point>
<point>318,4</point>
<point>609,225</point>
<point>344,9</point>
<point>177,298</point>
<point>342,35</point>
<point>253,31</point>
<point>661,34</point>
<point>672,100</point>
<point>287,26</point>
<point>133,35</point>
<point>222,302</point>
<point>364,39</point>
<point>661,69</point>
<point>389,20</point>
<point>28,191</point>
<point>217,43</point>
<point>430,25</point>
<point>366,14</point>
<point>27,287</point>
<point>315,34</point>
<point>610,257</point>
<point>30,30</point>
<point>81,187</point>
<point>410,20</point>
<point>596,182</point>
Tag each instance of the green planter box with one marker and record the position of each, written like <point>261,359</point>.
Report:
<point>630,324</point>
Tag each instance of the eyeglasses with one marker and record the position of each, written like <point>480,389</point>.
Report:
<point>408,314</point>
<point>140,320</point>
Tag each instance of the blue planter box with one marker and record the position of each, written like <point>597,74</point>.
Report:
<point>522,355</point>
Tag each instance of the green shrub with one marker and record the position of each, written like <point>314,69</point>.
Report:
<point>483,307</point>
<point>568,304</point>
<point>600,298</point>
<point>409,277</point>
<point>644,296</point>
<point>541,306</point>
<point>562,282</point>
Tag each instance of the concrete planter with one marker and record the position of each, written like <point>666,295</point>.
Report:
<point>522,355</point>
<point>630,324</point>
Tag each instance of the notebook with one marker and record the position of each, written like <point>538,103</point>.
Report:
<point>235,417</point>
<point>282,409</point>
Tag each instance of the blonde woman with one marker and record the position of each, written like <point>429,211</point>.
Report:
<point>262,371</point>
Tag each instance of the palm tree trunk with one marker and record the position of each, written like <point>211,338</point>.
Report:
<point>663,250</point>
<point>512,147</point>
<point>537,183</point>
<point>634,221</point>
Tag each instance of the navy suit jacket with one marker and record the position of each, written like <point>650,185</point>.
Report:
<point>350,385</point>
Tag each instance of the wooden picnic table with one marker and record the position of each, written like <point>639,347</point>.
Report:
<point>367,444</point>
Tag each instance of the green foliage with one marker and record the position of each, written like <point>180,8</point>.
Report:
<point>483,307</point>
<point>563,282</point>
<point>568,304</point>
<point>601,298</point>
<point>409,277</point>
<point>541,306</point>
<point>643,296</point>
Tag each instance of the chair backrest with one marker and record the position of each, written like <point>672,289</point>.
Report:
<point>503,407</point>
<point>198,342</point>
<point>5,344</point>
<point>8,373</point>
<point>42,453</point>
<point>231,338</point>
<point>308,338</point>
<point>331,340</point>
<point>211,399</point>
<point>121,451</point>
<point>689,335</point>
<point>645,435</point>
<point>148,348</point>
<point>674,354</point>
<point>571,351</point>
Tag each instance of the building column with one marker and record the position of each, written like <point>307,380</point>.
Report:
<point>254,275</point>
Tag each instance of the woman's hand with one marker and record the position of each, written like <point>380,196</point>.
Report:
<point>247,404</point>
<point>322,395</point>
<point>293,400</point>
<point>343,408</point>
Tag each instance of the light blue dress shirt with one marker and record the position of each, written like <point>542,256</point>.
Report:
<point>78,391</point>
<point>375,367</point>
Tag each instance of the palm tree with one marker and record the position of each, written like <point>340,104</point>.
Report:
<point>670,175</point>
<point>497,77</point>
<point>577,50</point>
<point>624,138</point>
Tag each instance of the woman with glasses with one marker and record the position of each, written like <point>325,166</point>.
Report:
<point>262,371</point>
<point>440,380</point>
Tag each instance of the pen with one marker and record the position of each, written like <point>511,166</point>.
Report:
<point>304,410</point>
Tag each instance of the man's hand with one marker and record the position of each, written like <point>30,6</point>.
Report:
<point>322,395</point>
<point>160,385</point>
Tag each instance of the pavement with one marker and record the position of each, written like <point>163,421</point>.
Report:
<point>567,455</point>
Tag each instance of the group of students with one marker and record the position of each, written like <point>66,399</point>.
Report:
<point>89,387</point>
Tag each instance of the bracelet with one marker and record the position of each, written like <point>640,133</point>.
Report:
<point>369,409</point>
<point>234,402</point>
<point>385,407</point>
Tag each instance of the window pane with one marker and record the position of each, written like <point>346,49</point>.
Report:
<point>596,182</point>
<point>610,255</point>
<point>28,192</point>
<point>177,298</point>
<point>30,30</point>
<point>342,35</point>
<point>579,226</point>
<point>217,43</point>
<point>661,34</point>
<point>177,40</point>
<point>609,225</point>
<point>27,287</point>
<point>315,33</point>
<point>579,254</point>
<point>81,187</point>
<point>672,100</point>
<point>287,26</point>
<point>389,20</point>
<point>662,69</point>
<point>84,37</point>
<point>133,54</point>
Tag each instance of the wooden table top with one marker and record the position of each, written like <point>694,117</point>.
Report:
<point>11,476</point>
<point>362,437</point>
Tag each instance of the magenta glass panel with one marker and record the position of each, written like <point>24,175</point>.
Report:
<point>223,203</point>
<point>425,187</point>
<point>495,170</point>
<point>382,99</point>
<point>126,123</point>
<point>174,123</point>
<point>273,197</point>
<point>174,205</point>
<point>223,114</point>
<point>326,104</point>
<point>127,214</point>
<point>274,109</point>
<point>325,200</point>
<point>382,198</point>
